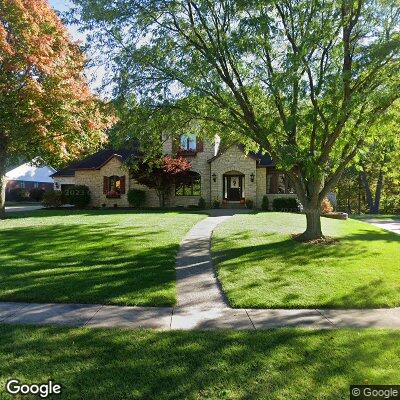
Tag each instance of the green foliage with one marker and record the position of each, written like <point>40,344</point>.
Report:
<point>53,198</point>
<point>265,203</point>
<point>136,198</point>
<point>202,203</point>
<point>36,194</point>
<point>288,204</point>
<point>216,203</point>
<point>17,194</point>
<point>391,205</point>
<point>78,195</point>
<point>249,203</point>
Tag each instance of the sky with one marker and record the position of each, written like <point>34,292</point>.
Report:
<point>94,75</point>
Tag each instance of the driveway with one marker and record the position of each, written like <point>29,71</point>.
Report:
<point>388,224</point>
<point>23,208</point>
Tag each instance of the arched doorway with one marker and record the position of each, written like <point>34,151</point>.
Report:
<point>233,186</point>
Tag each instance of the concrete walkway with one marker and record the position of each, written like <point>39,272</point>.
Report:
<point>200,305</point>
<point>389,225</point>
<point>23,208</point>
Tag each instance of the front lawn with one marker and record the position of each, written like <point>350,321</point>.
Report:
<point>272,365</point>
<point>111,257</point>
<point>261,266</point>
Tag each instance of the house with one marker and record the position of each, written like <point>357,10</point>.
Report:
<point>29,176</point>
<point>226,174</point>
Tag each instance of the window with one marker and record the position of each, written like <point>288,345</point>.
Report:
<point>278,183</point>
<point>115,184</point>
<point>36,185</point>
<point>189,185</point>
<point>22,185</point>
<point>188,142</point>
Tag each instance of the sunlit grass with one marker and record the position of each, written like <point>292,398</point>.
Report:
<point>260,266</point>
<point>271,365</point>
<point>112,257</point>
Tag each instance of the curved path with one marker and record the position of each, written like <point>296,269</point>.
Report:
<point>200,304</point>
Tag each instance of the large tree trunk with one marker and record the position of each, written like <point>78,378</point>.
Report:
<point>313,230</point>
<point>3,171</point>
<point>373,201</point>
<point>309,196</point>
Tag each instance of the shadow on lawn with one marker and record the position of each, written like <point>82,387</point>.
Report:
<point>292,270</point>
<point>295,364</point>
<point>100,263</point>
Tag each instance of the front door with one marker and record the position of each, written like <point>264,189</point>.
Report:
<point>234,186</point>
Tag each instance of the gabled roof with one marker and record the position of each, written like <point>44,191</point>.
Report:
<point>29,172</point>
<point>263,159</point>
<point>97,160</point>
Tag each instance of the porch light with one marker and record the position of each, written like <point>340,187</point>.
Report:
<point>214,177</point>
<point>252,177</point>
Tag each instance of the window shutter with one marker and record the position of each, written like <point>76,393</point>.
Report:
<point>122,178</point>
<point>105,184</point>
<point>199,145</point>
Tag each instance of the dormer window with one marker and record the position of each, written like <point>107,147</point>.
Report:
<point>188,142</point>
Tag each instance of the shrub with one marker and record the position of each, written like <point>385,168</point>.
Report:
<point>390,205</point>
<point>136,198</point>
<point>202,203</point>
<point>249,203</point>
<point>78,195</point>
<point>216,203</point>
<point>326,206</point>
<point>288,204</point>
<point>53,198</point>
<point>36,194</point>
<point>265,203</point>
<point>17,194</point>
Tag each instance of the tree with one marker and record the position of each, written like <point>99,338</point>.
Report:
<point>160,174</point>
<point>46,108</point>
<point>304,80</point>
<point>381,159</point>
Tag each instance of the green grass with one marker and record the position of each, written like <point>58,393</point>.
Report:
<point>261,266</point>
<point>111,257</point>
<point>272,365</point>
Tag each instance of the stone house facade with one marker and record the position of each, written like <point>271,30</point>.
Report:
<point>226,175</point>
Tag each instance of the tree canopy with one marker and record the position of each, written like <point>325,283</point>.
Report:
<point>46,107</point>
<point>304,80</point>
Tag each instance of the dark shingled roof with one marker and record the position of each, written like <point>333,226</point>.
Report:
<point>97,160</point>
<point>265,160</point>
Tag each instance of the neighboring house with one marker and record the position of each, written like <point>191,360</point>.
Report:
<point>28,176</point>
<point>228,175</point>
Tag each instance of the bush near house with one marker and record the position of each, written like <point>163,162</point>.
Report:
<point>249,203</point>
<point>36,194</point>
<point>202,204</point>
<point>136,198</point>
<point>286,204</point>
<point>17,194</point>
<point>53,198</point>
<point>265,203</point>
<point>78,195</point>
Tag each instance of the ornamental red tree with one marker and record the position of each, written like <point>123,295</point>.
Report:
<point>161,174</point>
<point>46,108</point>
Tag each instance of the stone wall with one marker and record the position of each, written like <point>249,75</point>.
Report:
<point>93,179</point>
<point>261,180</point>
<point>233,159</point>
